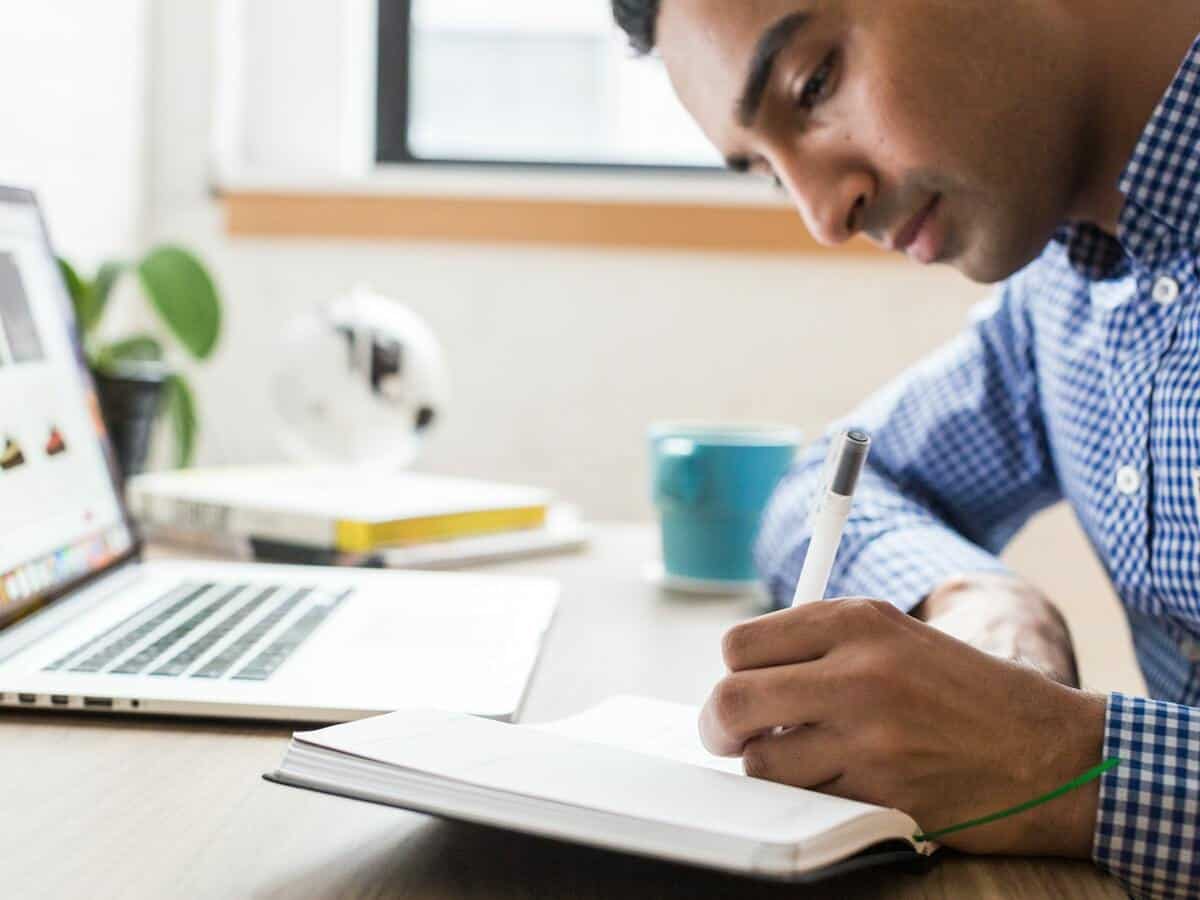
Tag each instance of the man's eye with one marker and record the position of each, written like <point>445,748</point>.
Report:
<point>817,87</point>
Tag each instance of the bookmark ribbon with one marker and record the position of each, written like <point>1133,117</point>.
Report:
<point>1090,775</point>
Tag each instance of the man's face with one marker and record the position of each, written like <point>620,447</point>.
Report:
<point>949,129</point>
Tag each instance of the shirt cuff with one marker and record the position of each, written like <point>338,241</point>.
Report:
<point>1148,825</point>
<point>901,565</point>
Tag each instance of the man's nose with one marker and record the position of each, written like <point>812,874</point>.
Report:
<point>832,208</point>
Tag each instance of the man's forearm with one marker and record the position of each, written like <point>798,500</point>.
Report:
<point>1005,616</point>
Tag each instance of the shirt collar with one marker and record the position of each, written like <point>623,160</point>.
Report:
<point>1161,184</point>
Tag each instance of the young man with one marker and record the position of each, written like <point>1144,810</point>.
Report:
<point>1054,145</point>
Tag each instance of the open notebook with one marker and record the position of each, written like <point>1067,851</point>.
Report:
<point>629,774</point>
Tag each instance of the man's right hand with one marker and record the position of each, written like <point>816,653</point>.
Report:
<point>854,698</point>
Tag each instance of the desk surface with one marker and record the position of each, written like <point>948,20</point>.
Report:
<point>110,807</point>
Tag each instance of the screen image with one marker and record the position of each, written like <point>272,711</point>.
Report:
<point>19,342</point>
<point>60,516</point>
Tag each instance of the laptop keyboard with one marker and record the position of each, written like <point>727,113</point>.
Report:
<point>208,630</point>
<point>224,661</point>
<point>183,659</point>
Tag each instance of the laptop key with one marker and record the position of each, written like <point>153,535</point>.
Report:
<point>225,660</point>
<point>144,657</point>
<point>112,652</point>
<point>145,610</point>
<point>179,663</point>
<point>265,663</point>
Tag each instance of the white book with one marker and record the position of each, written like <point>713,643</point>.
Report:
<point>628,775</point>
<point>344,508</point>
<point>564,532</point>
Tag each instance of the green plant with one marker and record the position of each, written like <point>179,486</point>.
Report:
<point>182,293</point>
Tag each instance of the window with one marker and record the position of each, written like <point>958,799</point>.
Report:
<point>534,82</point>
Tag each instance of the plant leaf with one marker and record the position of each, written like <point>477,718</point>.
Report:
<point>75,285</point>
<point>183,293</point>
<point>102,285</point>
<point>81,296</point>
<point>181,412</point>
<point>140,347</point>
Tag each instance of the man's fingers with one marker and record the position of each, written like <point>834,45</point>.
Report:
<point>805,633</point>
<point>807,756</point>
<point>786,636</point>
<point>744,704</point>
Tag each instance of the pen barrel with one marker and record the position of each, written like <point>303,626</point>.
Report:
<point>827,527</point>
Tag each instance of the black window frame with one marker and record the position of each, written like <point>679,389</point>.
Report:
<point>392,110</point>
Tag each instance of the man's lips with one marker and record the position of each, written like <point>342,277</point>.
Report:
<point>904,238</point>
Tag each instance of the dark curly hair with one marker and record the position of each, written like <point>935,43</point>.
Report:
<point>637,19</point>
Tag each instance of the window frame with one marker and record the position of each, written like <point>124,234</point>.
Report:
<point>393,47</point>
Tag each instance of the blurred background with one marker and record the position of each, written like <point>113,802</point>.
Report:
<point>515,178</point>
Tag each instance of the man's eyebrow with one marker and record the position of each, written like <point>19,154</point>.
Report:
<point>769,46</point>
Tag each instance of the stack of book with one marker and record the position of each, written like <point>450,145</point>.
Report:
<point>350,515</point>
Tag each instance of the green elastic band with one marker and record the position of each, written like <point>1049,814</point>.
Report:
<point>1089,775</point>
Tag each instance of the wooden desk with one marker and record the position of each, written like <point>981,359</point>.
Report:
<point>127,808</point>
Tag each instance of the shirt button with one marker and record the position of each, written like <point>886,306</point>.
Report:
<point>1166,290</point>
<point>1128,480</point>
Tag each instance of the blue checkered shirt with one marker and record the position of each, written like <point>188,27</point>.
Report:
<point>1078,380</point>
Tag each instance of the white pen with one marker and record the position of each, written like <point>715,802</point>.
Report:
<point>847,455</point>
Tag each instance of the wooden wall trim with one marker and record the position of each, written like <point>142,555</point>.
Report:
<point>501,220</point>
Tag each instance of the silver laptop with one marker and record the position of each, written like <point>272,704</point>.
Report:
<point>86,627</point>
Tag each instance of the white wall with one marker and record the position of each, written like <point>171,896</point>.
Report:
<point>72,99</point>
<point>561,359</point>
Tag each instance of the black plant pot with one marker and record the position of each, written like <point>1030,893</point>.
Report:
<point>131,396</point>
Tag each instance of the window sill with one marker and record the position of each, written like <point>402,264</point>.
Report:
<point>708,211</point>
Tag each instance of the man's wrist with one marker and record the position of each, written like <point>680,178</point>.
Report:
<point>1066,825</point>
<point>1058,737</point>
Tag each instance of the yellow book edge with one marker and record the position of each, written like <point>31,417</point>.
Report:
<point>361,537</point>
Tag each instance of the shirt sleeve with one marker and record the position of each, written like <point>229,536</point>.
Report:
<point>959,462</point>
<point>1148,827</point>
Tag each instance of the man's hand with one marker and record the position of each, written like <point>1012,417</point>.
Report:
<point>854,698</point>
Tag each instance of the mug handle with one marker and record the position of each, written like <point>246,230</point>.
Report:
<point>676,474</point>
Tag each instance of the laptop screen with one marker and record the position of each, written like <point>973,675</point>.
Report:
<point>60,516</point>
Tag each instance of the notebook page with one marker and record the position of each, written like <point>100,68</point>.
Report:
<point>654,727</point>
<point>551,767</point>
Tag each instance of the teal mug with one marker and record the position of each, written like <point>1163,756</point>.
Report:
<point>711,484</point>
